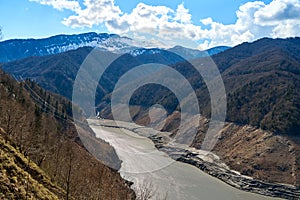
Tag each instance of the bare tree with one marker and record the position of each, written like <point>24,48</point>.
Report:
<point>11,118</point>
<point>69,171</point>
<point>146,190</point>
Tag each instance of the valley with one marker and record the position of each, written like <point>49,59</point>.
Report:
<point>256,154</point>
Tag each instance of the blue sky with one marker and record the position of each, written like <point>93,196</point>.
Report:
<point>194,23</point>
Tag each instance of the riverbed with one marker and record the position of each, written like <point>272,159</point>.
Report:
<point>149,168</point>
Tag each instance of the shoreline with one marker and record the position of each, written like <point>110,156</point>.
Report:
<point>212,166</point>
<point>232,178</point>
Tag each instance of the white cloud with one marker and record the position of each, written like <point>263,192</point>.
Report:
<point>183,15</point>
<point>95,12</point>
<point>60,4</point>
<point>160,21</point>
<point>243,30</point>
<point>280,18</point>
<point>282,15</point>
<point>288,28</point>
<point>277,11</point>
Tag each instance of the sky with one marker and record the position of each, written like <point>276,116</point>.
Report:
<point>193,23</point>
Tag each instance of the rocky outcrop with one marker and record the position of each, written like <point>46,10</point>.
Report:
<point>242,182</point>
<point>220,170</point>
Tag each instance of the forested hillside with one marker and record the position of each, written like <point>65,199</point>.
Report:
<point>42,132</point>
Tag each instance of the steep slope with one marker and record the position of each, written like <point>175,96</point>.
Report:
<point>257,153</point>
<point>21,178</point>
<point>42,130</point>
<point>57,73</point>
<point>261,81</point>
<point>263,88</point>
<point>268,156</point>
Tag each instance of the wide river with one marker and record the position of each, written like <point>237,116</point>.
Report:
<point>147,167</point>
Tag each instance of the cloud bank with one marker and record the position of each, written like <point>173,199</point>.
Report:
<point>280,18</point>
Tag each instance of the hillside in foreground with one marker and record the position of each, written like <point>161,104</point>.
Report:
<point>42,134</point>
<point>21,178</point>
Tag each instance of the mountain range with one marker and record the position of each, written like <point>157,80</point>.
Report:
<point>266,68</point>
<point>261,78</point>
<point>16,49</point>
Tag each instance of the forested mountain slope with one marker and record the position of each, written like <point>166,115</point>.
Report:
<point>42,131</point>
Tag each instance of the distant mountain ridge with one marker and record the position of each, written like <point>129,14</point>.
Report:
<point>11,50</point>
<point>195,53</point>
<point>21,48</point>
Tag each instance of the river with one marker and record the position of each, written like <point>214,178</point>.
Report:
<point>149,168</point>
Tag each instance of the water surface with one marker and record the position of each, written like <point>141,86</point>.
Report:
<point>144,165</point>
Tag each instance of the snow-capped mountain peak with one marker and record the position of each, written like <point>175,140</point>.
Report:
<point>21,48</point>
<point>16,49</point>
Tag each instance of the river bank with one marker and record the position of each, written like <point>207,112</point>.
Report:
<point>222,172</point>
<point>206,162</point>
